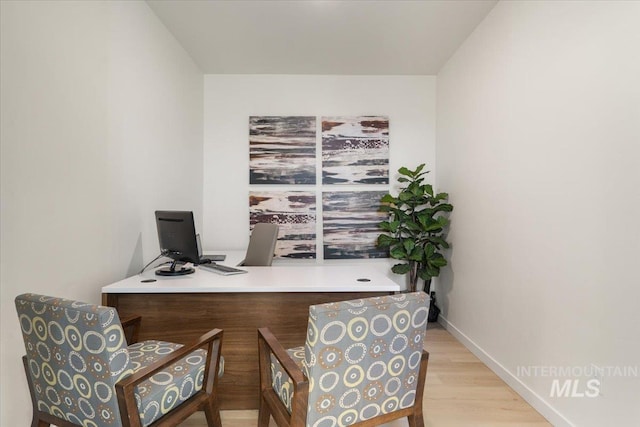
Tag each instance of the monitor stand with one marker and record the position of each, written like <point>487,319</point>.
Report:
<point>172,271</point>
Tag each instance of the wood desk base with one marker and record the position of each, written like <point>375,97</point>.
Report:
<point>183,317</point>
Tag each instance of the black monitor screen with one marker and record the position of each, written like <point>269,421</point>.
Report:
<point>177,237</point>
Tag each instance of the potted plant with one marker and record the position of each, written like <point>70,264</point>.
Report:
<point>415,231</point>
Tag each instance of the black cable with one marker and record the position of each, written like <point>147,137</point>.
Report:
<point>163,253</point>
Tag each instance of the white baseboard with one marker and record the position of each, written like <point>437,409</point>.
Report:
<point>534,399</point>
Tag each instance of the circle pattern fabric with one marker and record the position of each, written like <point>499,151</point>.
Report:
<point>362,358</point>
<point>377,370</point>
<point>167,389</point>
<point>76,352</point>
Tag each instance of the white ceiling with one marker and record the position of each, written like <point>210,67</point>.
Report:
<point>356,37</point>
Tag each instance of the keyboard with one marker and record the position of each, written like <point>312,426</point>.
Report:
<point>225,270</point>
<point>206,259</point>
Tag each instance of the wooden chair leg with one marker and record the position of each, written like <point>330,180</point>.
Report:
<point>35,421</point>
<point>212,413</point>
<point>416,420</point>
<point>263,414</point>
<point>39,423</point>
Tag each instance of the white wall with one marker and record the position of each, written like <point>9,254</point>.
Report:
<point>538,144</point>
<point>101,123</point>
<point>230,99</point>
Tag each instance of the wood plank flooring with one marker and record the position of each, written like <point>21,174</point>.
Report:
<point>460,391</point>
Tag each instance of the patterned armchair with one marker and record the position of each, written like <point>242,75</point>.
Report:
<point>363,364</point>
<point>81,372</point>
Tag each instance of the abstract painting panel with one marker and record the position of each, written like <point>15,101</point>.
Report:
<point>295,214</point>
<point>350,224</point>
<point>355,150</point>
<point>282,150</point>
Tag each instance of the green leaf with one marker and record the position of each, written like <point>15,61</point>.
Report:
<point>443,221</point>
<point>443,207</point>
<point>424,216</point>
<point>417,254</point>
<point>442,196</point>
<point>413,226</point>
<point>424,274</point>
<point>384,208</point>
<point>433,271</point>
<point>400,268</point>
<point>431,225</point>
<point>398,252</point>
<point>428,188</point>
<point>437,241</point>
<point>405,196</point>
<point>438,262</point>
<point>418,192</point>
<point>388,198</point>
<point>409,244</point>
<point>385,241</point>
<point>384,225</point>
<point>429,250</point>
<point>419,168</point>
<point>404,171</point>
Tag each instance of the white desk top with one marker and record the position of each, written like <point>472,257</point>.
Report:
<point>277,278</point>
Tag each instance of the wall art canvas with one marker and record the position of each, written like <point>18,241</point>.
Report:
<point>295,213</point>
<point>355,150</point>
<point>350,224</point>
<point>282,150</point>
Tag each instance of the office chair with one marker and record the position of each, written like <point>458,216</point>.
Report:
<point>81,371</point>
<point>262,245</point>
<point>363,364</point>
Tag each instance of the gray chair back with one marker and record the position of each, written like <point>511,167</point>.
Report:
<point>76,352</point>
<point>262,245</point>
<point>363,357</point>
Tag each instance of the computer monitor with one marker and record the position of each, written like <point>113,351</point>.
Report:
<point>177,238</point>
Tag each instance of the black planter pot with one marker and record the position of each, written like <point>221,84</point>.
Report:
<point>434,311</point>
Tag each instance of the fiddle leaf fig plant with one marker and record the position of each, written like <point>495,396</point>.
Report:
<point>416,229</point>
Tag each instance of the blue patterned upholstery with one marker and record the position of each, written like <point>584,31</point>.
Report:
<point>281,382</point>
<point>77,352</point>
<point>361,357</point>
<point>170,387</point>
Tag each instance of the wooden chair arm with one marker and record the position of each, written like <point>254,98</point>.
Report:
<point>422,377</point>
<point>131,327</point>
<point>268,344</point>
<point>265,337</point>
<point>125,388</point>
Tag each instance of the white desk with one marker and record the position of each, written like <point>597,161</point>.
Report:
<point>181,308</point>
<point>310,278</point>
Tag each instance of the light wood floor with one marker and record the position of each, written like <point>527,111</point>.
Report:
<point>460,391</point>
